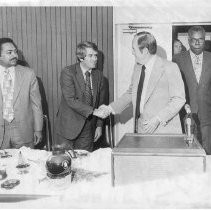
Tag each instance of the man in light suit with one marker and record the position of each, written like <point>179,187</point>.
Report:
<point>76,126</point>
<point>21,119</point>
<point>162,94</point>
<point>195,66</point>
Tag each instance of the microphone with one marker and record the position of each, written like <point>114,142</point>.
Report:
<point>189,124</point>
<point>187,108</point>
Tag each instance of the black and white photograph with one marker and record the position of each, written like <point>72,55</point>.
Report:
<point>105,104</point>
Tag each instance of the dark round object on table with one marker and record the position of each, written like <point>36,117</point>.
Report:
<point>58,164</point>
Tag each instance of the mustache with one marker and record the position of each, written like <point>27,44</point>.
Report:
<point>14,59</point>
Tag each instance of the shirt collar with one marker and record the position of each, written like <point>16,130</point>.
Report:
<point>84,70</point>
<point>2,68</point>
<point>193,56</point>
<point>150,62</point>
<point>10,69</point>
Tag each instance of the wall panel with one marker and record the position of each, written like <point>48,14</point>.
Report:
<point>38,41</point>
<point>19,32</point>
<point>73,34</point>
<point>1,23</point>
<point>4,22</point>
<point>24,33</point>
<point>14,19</point>
<point>89,23</point>
<point>34,39</point>
<point>47,38</point>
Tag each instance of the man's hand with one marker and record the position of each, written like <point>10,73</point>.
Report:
<point>103,111</point>
<point>37,137</point>
<point>151,125</point>
<point>98,133</point>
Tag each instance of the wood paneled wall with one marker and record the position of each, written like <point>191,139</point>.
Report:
<point>47,39</point>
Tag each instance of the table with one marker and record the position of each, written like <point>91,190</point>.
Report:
<point>139,157</point>
<point>92,187</point>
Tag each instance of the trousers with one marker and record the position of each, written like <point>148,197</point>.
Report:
<point>12,137</point>
<point>84,141</point>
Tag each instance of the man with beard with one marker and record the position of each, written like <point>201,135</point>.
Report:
<point>82,92</point>
<point>21,117</point>
<point>195,65</point>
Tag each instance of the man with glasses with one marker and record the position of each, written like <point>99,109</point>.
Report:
<point>195,66</point>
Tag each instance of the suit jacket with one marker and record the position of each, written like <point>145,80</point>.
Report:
<point>165,96</point>
<point>26,104</point>
<point>198,94</point>
<point>73,110</point>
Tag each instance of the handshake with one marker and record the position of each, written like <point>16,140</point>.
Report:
<point>103,111</point>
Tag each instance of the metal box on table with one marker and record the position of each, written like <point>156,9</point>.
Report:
<point>139,157</point>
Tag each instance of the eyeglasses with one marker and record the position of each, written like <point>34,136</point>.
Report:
<point>201,40</point>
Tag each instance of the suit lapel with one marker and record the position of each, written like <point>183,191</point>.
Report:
<point>94,85</point>
<point>156,73</point>
<point>204,68</point>
<point>80,77</point>
<point>1,98</point>
<point>189,68</point>
<point>19,77</point>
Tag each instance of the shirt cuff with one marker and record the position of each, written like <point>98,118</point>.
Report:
<point>160,121</point>
<point>111,109</point>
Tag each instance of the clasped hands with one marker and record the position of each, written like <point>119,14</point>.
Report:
<point>149,126</point>
<point>103,111</point>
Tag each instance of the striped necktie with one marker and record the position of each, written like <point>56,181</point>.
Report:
<point>197,67</point>
<point>8,112</point>
<point>88,90</point>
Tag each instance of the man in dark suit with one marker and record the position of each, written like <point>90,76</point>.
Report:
<point>195,66</point>
<point>21,117</point>
<point>82,92</point>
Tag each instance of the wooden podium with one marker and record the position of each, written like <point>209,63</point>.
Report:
<point>138,158</point>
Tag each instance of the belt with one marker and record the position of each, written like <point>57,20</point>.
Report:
<point>6,123</point>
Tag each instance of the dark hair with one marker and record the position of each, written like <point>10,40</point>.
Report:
<point>81,49</point>
<point>146,39</point>
<point>182,46</point>
<point>196,29</point>
<point>177,40</point>
<point>6,40</point>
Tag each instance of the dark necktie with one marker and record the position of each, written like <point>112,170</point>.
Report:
<point>88,90</point>
<point>138,98</point>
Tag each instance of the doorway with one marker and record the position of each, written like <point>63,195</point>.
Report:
<point>180,32</point>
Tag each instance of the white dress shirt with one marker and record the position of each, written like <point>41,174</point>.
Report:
<point>148,70</point>
<point>12,75</point>
<point>197,64</point>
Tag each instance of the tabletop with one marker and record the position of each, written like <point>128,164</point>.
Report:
<point>90,187</point>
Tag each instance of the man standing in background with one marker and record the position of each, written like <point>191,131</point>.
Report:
<point>21,117</point>
<point>82,91</point>
<point>195,65</point>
